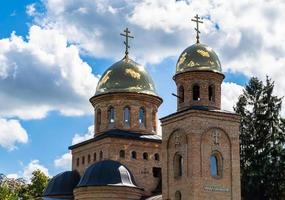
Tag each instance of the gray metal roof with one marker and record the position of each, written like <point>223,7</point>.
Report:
<point>117,133</point>
<point>62,185</point>
<point>107,173</point>
<point>157,197</point>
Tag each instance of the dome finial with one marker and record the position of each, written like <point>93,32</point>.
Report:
<point>126,42</point>
<point>196,19</point>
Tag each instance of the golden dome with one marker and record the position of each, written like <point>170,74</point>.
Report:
<point>126,76</point>
<point>198,57</point>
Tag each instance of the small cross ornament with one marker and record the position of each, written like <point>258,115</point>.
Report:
<point>177,140</point>
<point>216,135</point>
<point>196,19</point>
<point>145,171</point>
<point>126,42</point>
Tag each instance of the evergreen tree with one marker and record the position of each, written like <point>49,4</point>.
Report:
<point>262,142</point>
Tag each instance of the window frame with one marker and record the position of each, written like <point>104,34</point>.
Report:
<point>196,85</point>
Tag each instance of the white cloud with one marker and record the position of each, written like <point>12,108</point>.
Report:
<point>80,138</point>
<point>32,166</point>
<point>64,161</point>
<point>230,94</point>
<point>13,176</point>
<point>42,74</point>
<point>31,9</point>
<point>11,132</point>
<point>252,45</point>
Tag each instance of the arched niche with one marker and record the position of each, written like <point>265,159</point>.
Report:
<point>215,148</point>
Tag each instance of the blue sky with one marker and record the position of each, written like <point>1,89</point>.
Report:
<point>52,54</point>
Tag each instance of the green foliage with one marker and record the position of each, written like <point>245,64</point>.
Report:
<point>262,142</point>
<point>7,194</point>
<point>14,189</point>
<point>39,182</point>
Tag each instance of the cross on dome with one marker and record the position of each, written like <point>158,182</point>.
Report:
<point>126,42</point>
<point>196,19</point>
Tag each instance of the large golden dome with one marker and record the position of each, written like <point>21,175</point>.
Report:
<point>126,76</point>
<point>198,57</point>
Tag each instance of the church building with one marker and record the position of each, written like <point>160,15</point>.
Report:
<point>196,157</point>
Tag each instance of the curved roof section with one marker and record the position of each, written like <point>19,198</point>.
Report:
<point>198,57</point>
<point>62,184</point>
<point>126,76</point>
<point>107,173</point>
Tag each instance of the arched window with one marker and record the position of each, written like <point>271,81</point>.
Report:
<point>83,160</point>
<point>127,116</point>
<point>122,154</point>
<point>196,92</point>
<point>111,115</point>
<point>94,157</point>
<point>178,165</point>
<point>77,162</point>
<point>178,195</point>
<point>134,155</point>
<point>211,93</point>
<point>216,164</point>
<point>89,158</point>
<point>145,156</point>
<point>156,157</point>
<point>98,119</point>
<point>101,155</point>
<point>142,117</point>
<point>181,94</point>
<point>154,120</point>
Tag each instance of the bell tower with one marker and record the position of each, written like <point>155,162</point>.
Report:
<point>200,142</point>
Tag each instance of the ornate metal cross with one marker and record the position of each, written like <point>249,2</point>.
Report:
<point>196,19</point>
<point>216,136</point>
<point>126,42</point>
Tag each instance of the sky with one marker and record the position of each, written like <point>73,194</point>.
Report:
<point>53,52</point>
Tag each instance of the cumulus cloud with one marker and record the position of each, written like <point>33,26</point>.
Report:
<point>230,95</point>
<point>80,138</point>
<point>63,162</point>
<point>11,133</point>
<point>248,45</point>
<point>32,166</point>
<point>42,74</point>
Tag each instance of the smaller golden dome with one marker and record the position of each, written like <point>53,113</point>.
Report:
<point>198,57</point>
<point>126,76</point>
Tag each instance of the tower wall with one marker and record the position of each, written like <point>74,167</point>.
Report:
<point>203,79</point>
<point>119,101</point>
<point>192,135</point>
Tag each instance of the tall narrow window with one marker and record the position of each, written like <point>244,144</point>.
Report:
<point>211,93</point>
<point>83,160</point>
<point>94,157</point>
<point>127,116</point>
<point>154,120</point>
<point>98,119</point>
<point>216,164</point>
<point>196,92</point>
<point>89,158</point>
<point>142,117</point>
<point>111,115</point>
<point>178,165</point>
<point>122,154</point>
<point>77,162</point>
<point>101,155</point>
<point>134,155</point>
<point>156,157</point>
<point>145,156</point>
<point>178,195</point>
<point>181,94</point>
